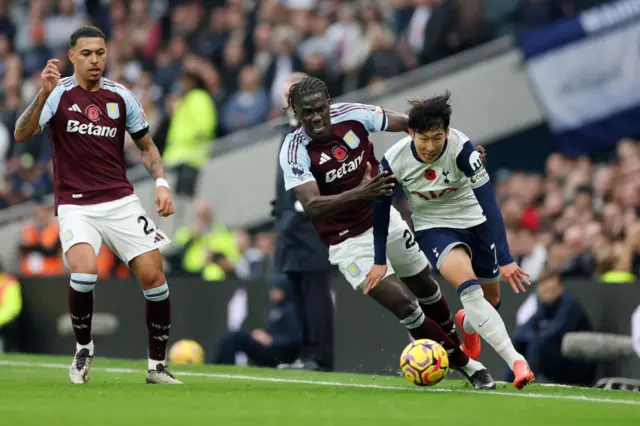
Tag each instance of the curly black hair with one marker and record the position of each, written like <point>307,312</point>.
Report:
<point>306,86</point>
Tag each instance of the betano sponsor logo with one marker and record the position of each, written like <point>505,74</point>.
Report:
<point>74,126</point>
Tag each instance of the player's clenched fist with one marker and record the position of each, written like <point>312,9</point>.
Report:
<point>50,76</point>
<point>514,275</point>
<point>164,205</point>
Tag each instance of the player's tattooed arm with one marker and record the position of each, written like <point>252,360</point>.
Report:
<point>28,125</point>
<point>398,122</point>
<point>150,156</point>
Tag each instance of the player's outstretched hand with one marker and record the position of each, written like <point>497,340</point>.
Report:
<point>371,188</point>
<point>514,275</point>
<point>483,154</point>
<point>50,76</point>
<point>375,275</point>
<point>164,205</point>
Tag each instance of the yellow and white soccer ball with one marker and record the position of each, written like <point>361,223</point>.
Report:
<point>186,352</point>
<point>424,362</point>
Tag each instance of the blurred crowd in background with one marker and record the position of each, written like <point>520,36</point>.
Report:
<point>580,218</point>
<point>238,52</point>
<point>203,70</point>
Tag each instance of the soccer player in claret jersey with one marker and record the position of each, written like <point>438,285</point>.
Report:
<point>458,225</point>
<point>87,116</point>
<point>330,165</point>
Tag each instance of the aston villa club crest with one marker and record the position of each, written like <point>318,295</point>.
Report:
<point>351,139</point>
<point>92,112</point>
<point>113,110</point>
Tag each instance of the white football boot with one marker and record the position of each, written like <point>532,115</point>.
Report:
<point>161,376</point>
<point>81,367</point>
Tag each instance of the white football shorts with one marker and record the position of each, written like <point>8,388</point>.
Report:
<point>354,256</point>
<point>122,224</point>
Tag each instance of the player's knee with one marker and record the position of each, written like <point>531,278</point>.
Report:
<point>406,307</point>
<point>456,266</point>
<point>81,258</point>
<point>152,278</point>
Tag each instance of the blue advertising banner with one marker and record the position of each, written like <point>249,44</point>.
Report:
<point>586,73</point>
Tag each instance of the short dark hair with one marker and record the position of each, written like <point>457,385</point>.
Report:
<point>430,114</point>
<point>85,32</point>
<point>306,86</point>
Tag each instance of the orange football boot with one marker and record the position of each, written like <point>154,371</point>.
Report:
<point>523,374</point>
<point>471,344</point>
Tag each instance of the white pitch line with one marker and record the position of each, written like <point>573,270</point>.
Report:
<point>336,384</point>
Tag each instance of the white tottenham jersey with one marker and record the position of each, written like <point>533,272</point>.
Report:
<point>440,193</point>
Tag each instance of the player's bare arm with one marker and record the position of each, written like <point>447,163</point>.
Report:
<point>28,125</point>
<point>317,205</point>
<point>153,163</point>
<point>398,122</point>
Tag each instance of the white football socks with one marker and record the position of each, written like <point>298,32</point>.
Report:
<point>473,367</point>
<point>87,346</point>
<point>488,323</point>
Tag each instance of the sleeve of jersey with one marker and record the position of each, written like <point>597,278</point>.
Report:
<point>470,163</point>
<point>372,117</point>
<point>137,124</point>
<point>381,215</point>
<point>295,163</point>
<point>50,106</point>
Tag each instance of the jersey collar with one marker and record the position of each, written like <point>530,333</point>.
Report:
<point>74,80</point>
<point>417,157</point>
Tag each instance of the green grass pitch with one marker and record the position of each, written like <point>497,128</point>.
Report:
<point>35,390</point>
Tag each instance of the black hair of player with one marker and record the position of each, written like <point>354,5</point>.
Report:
<point>306,86</point>
<point>85,32</point>
<point>430,114</point>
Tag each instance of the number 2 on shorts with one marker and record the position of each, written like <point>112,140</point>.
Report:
<point>409,240</point>
<point>145,227</point>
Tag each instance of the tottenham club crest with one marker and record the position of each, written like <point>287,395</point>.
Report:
<point>113,110</point>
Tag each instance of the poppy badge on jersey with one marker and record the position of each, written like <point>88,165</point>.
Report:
<point>351,139</point>
<point>113,110</point>
<point>353,270</point>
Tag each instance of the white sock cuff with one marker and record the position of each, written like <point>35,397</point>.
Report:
<point>83,283</point>
<point>472,293</point>
<point>431,299</point>
<point>157,294</point>
<point>414,320</point>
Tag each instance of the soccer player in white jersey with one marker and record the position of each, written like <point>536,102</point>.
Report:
<point>458,225</point>
<point>87,117</point>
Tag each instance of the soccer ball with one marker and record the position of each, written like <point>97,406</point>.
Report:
<point>424,362</point>
<point>186,352</point>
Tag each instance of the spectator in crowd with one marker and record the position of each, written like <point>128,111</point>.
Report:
<point>278,343</point>
<point>10,309</point>
<point>256,258</point>
<point>205,247</point>
<point>249,105</point>
<point>40,247</point>
<point>190,134</point>
<point>540,338</point>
